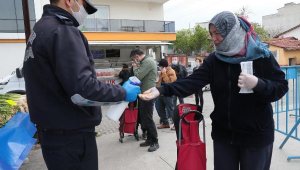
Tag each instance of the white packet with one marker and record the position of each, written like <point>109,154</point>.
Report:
<point>246,67</point>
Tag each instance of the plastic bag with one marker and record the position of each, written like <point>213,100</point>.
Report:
<point>16,141</point>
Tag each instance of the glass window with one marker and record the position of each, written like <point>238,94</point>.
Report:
<point>99,21</point>
<point>112,53</point>
<point>11,16</point>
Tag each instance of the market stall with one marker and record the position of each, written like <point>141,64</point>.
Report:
<point>109,75</point>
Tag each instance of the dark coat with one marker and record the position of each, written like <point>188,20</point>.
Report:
<point>124,75</point>
<point>243,119</point>
<point>57,65</point>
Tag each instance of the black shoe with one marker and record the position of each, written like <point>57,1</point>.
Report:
<point>153,147</point>
<point>144,144</point>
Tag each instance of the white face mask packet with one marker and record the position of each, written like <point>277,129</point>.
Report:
<point>247,67</point>
<point>81,15</point>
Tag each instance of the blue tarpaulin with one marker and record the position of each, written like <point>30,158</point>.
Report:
<point>16,141</point>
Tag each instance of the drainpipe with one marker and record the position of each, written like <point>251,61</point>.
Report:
<point>26,19</point>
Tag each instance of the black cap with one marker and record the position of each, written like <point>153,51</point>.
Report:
<point>163,63</point>
<point>90,8</point>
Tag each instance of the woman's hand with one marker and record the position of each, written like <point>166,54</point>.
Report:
<point>150,94</point>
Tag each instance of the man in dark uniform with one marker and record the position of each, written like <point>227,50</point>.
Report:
<point>57,65</point>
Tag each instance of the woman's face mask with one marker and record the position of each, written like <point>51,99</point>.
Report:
<point>81,15</point>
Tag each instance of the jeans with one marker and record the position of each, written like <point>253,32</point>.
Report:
<point>146,117</point>
<point>165,108</point>
<point>235,157</point>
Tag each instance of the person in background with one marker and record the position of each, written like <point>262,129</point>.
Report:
<point>242,123</point>
<point>144,68</point>
<point>181,72</point>
<point>165,104</point>
<point>199,93</point>
<point>57,65</point>
<point>124,74</point>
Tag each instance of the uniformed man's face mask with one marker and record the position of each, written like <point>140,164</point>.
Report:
<point>81,15</point>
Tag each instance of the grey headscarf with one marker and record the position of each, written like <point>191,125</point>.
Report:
<point>229,27</point>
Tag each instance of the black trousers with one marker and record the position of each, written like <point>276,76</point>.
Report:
<point>146,117</point>
<point>69,150</point>
<point>234,157</point>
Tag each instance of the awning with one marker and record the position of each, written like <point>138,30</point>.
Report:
<point>128,43</point>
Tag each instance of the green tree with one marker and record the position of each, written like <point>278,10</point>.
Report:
<point>189,40</point>
<point>201,40</point>
<point>183,45</point>
<point>261,32</point>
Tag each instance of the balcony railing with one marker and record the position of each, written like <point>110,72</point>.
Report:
<point>13,25</point>
<point>125,25</point>
<point>101,25</point>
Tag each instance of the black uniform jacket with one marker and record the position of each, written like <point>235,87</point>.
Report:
<point>242,119</point>
<point>57,65</point>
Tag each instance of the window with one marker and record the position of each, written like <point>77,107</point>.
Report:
<point>112,53</point>
<point>99,21</point>
<point>11,16</point>
<point>292,61</point>
<point>98,54</point>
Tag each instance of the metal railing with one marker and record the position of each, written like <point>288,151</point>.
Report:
<point>287,109</point>
<point>126,25</point>
<point>99,25</point>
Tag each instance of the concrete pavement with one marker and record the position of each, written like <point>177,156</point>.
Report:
<point>114,155</point>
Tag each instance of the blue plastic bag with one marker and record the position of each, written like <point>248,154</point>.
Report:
<point>16,141</point>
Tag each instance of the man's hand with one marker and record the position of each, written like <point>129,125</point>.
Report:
<point>131,91</point>
<point>149,94</point>
<point>247,81</point>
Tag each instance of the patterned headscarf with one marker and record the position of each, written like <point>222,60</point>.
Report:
<point>240,42</point>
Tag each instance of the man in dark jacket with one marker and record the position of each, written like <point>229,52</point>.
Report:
<point>124,74</point>
<point>181,72</point>
<point>57,65</point>
<point>242,123</point>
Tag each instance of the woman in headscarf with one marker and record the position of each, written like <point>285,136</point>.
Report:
<point>242,119</point>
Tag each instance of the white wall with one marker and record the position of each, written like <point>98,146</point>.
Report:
<point>39,7</point>
<point>11,57</point>
<point>120,9</point>
<point>294,33</point>
<point>286,18</point>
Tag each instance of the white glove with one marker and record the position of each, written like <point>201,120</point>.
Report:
<point>247,81</point>
<point>150,94</point>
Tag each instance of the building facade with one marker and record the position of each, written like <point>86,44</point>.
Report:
<point>113,31</point>
<point>286,18</point>
<point>293,32</point>
<point>285,50</point>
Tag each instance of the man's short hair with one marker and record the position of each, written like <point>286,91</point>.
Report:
<point>54,1</point>
<point>136,52</point>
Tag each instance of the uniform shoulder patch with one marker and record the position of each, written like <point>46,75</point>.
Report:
<point>28,52</point>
